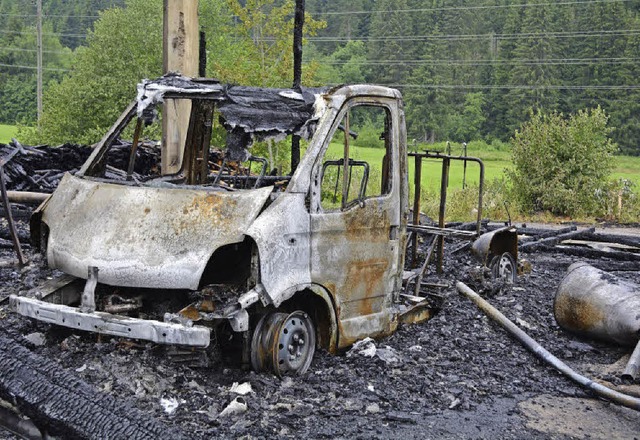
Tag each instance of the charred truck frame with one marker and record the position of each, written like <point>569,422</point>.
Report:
<point>282,263</point>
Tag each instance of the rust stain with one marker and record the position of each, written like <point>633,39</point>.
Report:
<point>206,211</point>
<point>365,279</point>
<point>577,314</point>
<point>190,312</point>
<point>416,316</point>
<point>367,227</point>
<point>147,210</point>
<point>213,206</point>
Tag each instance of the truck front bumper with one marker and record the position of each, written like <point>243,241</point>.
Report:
<point>116,325</point>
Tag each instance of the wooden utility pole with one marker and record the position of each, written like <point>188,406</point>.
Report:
<point>181,54</point>
<point>39,62</point>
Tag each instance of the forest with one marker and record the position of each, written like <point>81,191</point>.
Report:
<point>468,70</point>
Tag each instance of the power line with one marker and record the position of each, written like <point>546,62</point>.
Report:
<point>454,62</point>
<point>471,8</point>
<point>512,87</point>
<point>454,37</point>
<point>74,16</point>
<point>17,66</point>
<point>18,15</point>
<point>49,16</point>
<point>19,49</point>
<point>2,31</point>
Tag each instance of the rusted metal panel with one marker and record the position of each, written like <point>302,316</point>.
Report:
<point>355,252</point>
<point>594,303</point>
<point>143,236</point>
<point>495,243</point>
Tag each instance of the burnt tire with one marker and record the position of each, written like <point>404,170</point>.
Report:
<point>64,405</point>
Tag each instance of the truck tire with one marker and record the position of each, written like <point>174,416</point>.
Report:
<point>63,405</point>
<point>283,343</point>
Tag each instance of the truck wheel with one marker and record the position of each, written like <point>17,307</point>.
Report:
<point>283,343</point>
<point>504,267</point>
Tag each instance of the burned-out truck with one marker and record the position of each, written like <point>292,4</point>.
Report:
<point>278,264</point>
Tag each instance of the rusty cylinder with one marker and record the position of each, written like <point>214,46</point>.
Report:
<point>593,303</point>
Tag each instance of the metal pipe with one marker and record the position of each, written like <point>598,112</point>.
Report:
<point>27,197</point>
<point>480,191</point>
<point>633,366</point>
<point>345,176</point>
<point>416,208</point>
<point>464,172</point>
<point>430,155</point>
<point>12,224</point>
<point>543,354</point>
<point>444,183</point>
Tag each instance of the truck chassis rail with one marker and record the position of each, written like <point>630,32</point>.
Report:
<point>116,325</point>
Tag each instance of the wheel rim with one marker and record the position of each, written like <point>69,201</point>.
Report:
<point>283,343</point>
<point>505,268</point>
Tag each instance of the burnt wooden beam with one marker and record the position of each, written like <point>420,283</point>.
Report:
<point>297,74</point>
<point>552,241</point>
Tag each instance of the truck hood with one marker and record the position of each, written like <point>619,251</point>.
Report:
<point>144,236</point>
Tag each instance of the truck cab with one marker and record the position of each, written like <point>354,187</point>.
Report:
<point>286,263</point>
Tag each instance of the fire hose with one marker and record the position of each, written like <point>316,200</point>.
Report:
<point>543,354</point>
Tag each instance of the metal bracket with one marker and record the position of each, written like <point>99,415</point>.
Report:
<point>240,321</point>
<point>88,300</point>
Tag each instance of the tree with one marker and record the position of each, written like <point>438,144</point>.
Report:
<point>258,50</point>
<point>345,65</point>
<point>465,126</point>
<point>386,51</point>
<point>103,79</point>
<point>561,164</point>
<point>104,75</point>
<point>18,94</point>
<point>531,74</point>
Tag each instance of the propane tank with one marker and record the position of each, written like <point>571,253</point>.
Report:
<point>594,303</point>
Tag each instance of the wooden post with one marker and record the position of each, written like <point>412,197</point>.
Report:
<point>297,74</point>
<point>181,54</point>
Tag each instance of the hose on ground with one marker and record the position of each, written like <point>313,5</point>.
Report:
<point>542,353</point>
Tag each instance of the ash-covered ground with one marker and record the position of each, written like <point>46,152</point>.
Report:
<point>458,375</point>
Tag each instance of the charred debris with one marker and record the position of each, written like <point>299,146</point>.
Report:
<point>260,267</point>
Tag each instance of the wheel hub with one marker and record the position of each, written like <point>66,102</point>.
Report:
<point>283,343</point>
<point>504,267</point>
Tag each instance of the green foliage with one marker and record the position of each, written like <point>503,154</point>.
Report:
<point>369,136</point>
<point>257,46</point>
<point>103,80</point>
<point>562,164</point>
<point>465,125</point>
<point>346,65</point>
<point>64,26</point>
<point>462,203</point>
<point>18,84</point>
<point>83,105</point>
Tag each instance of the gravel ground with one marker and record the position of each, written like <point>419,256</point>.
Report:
<point>458,375</point>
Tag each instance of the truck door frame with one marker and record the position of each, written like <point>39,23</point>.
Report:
<point>356,250</point>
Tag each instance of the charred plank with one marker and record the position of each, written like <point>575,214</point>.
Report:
<point>65,405</point>
<point>552,241</point>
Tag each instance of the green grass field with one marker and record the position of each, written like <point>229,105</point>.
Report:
<point>496,161</point>
<point>7,132</point>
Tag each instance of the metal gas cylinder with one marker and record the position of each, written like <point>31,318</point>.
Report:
<point>594,303</point>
